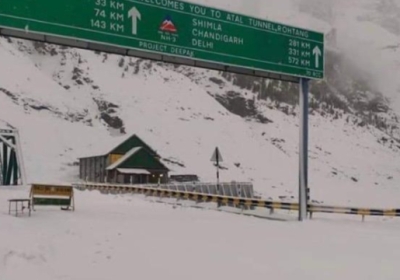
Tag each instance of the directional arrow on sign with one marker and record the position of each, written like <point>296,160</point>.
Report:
<point>135,15</point>
<point>317,52</point>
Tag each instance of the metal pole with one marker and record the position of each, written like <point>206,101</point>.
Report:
<point>217,175</point>
<point>303,155</point>
<point>20,159</point>
<point>217,160</point>
<point>8,143</point>
<point>1,164</point>
<point>5,164</point>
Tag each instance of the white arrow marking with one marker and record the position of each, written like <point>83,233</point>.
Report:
<point>317,52</point>
<point>135,15</point>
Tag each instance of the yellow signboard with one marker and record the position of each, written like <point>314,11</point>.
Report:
<point>51,190</point>
<point>52,195</point>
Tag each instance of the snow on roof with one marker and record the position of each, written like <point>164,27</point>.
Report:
<point>133,171</point>
<point>124,158</point>
<point>104,146</point>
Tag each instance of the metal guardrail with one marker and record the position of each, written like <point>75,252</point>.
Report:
<point>353,211</point>
<point>234,201</point>
<point>232,189</point>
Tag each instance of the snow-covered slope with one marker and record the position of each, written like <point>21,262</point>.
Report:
<point>69,103</point>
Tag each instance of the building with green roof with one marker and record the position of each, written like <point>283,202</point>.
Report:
<point>131,162</point>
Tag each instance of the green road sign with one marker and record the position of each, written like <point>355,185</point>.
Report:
<point>176,29</point>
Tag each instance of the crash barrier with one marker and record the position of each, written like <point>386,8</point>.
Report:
<point>161,191</point>
<point>185,195</point>
<point>353,211</point>
<point>235,201</point>
<point>52,195</point>
<point>233,189</point>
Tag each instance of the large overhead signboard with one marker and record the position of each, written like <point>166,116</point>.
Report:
<point>198,35</point>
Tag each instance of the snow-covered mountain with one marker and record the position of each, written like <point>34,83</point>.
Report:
<point>69,103</point>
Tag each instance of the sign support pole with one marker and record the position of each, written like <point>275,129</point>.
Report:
<point>217,158</point>
<point>218,174</point>
<point>303,155</point>
<point>1,168</point>
<point>217,163</point>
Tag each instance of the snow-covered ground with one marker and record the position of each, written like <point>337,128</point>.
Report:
<point>110,237</point>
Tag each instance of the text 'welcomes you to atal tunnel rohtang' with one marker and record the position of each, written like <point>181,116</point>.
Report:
<point>175,28</point>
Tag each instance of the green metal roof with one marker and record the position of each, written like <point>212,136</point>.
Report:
<point>132,142</point>
<point>138,157</point>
